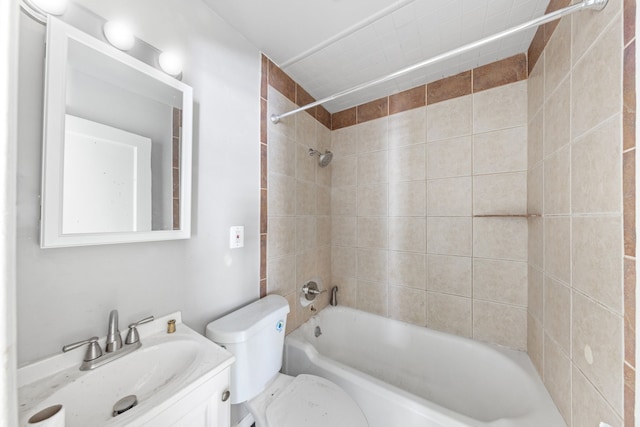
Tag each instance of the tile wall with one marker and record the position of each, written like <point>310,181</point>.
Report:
<point>577,234</point>
<point>298,248</point>
<point>428,209</point>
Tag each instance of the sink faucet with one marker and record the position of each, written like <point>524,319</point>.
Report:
<point>114,339</point>
<point>114,349</point>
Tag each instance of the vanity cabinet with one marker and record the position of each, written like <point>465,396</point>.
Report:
<point>206,406</point>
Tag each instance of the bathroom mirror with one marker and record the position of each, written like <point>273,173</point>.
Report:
<point>117,146</point>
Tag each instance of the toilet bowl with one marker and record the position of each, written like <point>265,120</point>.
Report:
<point>255,335</point>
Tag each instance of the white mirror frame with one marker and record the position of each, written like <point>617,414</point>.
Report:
<point>51,236</point>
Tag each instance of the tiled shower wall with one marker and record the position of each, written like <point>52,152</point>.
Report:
<point>427,215</point>
<point>575,169</point>
<point>299,199</point>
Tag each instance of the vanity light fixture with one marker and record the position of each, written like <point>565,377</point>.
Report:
<point>171,63</point>
<point>119,34</point>
<point>42,8</point>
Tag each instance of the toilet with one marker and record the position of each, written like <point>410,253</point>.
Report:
<point>255,335</point>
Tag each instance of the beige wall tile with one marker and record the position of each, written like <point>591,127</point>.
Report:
<point>557,119</point>
<point>306,233</point>
<point>323,175</point>
<point>373,200</point>
<point>372,136</point>
<point>535,241</point>
<point>306,267</point>
<point>535,139</point>
<point>292,318</point>
<point>408,127</point>
<point>281,240</point>
<point>597,347</point>
<point>500,108</point>
<point>588,406</point>
<point>281,275</point>
<point>449,236</point>
<point>558,56</point>
<point>450,119</point>
<point>500,281</point>
<point>586,29</point>
<point>407,269</point>
<point>557,313</point>
<point>557,247</point>
<point>373,168</point>
<point>305,164</point>
<point>408,198</point>
<point>372,297</point>
<point>449,274</point>
<point>306,198</point>
<point>408,305</point>
<point>343,230</point>
<point>306,130</point>
<point>323,137</point>
<point>323,231</point>
<point>343,201</point>
<point>597,259</point>
<point>407,163</point>
<point>497,194</point>
<point>596,169</point>
<point>408,234</point>
<point>449,197</point>
<point>534,344</point>
<point>449,158</point>
<point>344,171</point>
<point>282,155</point>
<point>280,201</point>
<point>500,324</point>
<point>323,200</point>
<point>372,265</point>
<point>344,141</point>
<point>535,294</point>
<point>535,191</point>
<point>373,232</point>
<point>279,104</point>
<point>449,313</point>
<point>594,100</point>
<point>557,176</point>
<point>500,151</point>
<point>343,261</point>
<point>535,90</point>
<point>500,238</point>
<point>557,377</point>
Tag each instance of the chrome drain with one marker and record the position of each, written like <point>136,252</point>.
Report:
<point>124,404</point>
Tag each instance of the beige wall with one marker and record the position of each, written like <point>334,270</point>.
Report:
<point>575,313</point>
<point>299,207</point>
<point>405,190</point>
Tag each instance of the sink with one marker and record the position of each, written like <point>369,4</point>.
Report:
<point>159,373</point>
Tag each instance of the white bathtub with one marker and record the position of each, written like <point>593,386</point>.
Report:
<point>405,376</point>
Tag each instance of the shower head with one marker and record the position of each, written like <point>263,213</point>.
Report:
<point>323,158</point>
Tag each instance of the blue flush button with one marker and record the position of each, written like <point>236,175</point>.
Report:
<point>280,325</point>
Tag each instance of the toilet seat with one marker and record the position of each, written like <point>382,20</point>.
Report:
<point>306,400</point>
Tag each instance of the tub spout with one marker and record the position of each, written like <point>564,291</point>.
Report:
<point>334,296</point>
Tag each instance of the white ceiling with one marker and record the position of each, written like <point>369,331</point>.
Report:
<point>331,45</point>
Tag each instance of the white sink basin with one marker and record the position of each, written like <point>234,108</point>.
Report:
<point>162,371</point>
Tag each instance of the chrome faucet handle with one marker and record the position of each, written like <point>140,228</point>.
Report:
<point>133,336</point>
<point>93,351</point>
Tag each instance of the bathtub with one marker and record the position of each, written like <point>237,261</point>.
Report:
<point>408,376</point>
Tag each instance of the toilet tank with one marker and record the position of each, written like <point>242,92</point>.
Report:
<point>255,336</point>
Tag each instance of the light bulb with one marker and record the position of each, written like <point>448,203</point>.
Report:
<point>53,7</point>
<point>171,63</point>
<point>119,34</point>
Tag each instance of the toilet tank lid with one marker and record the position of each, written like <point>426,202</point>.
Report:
<point>241,324</point>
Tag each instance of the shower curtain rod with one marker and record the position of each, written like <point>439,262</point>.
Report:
<point>584,5</point>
